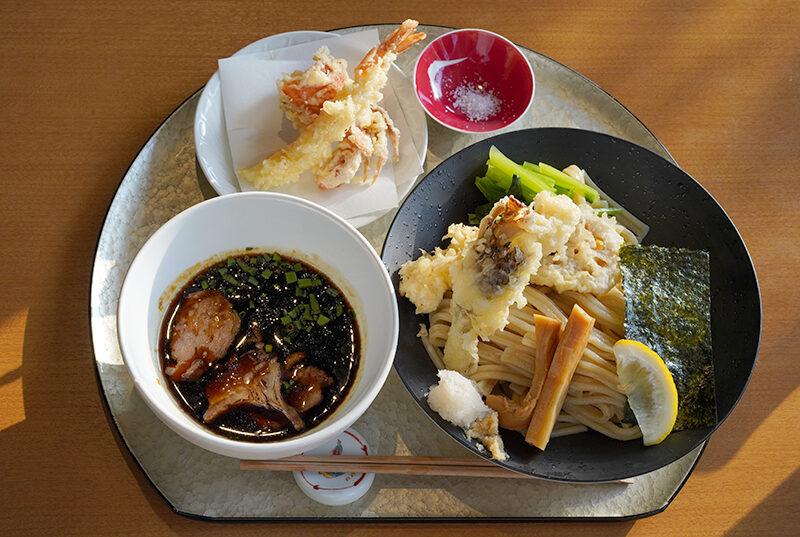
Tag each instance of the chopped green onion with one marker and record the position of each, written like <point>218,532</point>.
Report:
<point>331,291</point>
<point>286,320</point>
<point>266,273</point>
<point>223,270</point>
<point>248,248</point>
<point>204,284</point>
<point>276,258</point>
<point>298,267</point>
<point>230,279</point>
<point>302,283</point>
<point>323,320</point>
<point>229,261</point>
<point>244,266</point>
<point>252,304</point>
<point>268,347</point>
<point>314,304</point>
<point>291,277</point>
<point>252,280</point>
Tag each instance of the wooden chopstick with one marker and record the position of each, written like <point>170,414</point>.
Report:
<point>377,464</point>
<point>395,464</point>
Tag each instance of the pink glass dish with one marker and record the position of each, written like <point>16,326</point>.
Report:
<point>473,81</point>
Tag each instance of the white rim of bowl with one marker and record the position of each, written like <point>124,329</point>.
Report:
<point>513,45</point>
<point>225,446</point>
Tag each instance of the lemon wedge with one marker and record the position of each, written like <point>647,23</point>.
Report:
<point>650,389</point>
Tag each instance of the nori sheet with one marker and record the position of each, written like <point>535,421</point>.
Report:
<point>668,308</point>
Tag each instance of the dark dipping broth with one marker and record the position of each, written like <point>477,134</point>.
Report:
<point>285,307</point>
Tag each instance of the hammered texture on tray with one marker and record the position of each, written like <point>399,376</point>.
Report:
<point>164,179</point>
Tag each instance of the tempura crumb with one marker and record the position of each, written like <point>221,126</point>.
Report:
<point>486,430</point>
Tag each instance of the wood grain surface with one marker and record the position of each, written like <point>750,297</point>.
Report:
<point>84,84</point>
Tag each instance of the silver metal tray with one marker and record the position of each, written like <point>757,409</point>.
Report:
<point>164,179</point>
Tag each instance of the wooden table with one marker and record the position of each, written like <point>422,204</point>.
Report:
<point>83,87</point>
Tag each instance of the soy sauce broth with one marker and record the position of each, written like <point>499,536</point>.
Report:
<point>296,308</point>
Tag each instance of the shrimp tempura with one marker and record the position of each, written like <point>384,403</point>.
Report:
<point>352,106</point>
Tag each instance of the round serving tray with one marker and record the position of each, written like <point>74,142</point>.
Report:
<point>164,179</point>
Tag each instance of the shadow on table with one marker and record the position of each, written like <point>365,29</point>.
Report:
<point>776,513</point>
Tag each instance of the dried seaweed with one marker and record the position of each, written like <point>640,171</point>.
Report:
<point>668,308</point>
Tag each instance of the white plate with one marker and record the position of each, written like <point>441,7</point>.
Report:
<point>211,139</point>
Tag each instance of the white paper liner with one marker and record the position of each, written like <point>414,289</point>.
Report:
<point>256,126</point>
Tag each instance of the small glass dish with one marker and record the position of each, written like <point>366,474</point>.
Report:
<point>474,81</point>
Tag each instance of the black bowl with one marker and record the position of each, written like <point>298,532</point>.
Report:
<point>679,212</point>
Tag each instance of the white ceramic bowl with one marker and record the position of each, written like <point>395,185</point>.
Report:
<point>265,221</point>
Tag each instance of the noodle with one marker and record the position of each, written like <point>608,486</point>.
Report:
<point>594,400</point>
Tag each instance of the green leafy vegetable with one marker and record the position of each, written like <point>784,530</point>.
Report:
<point>568,183</point>
<point>504,177</point>
<point>480,211</point>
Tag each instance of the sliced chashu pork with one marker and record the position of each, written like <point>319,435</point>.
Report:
<point>204,328</point>
<point>254,379</point>
<point>307,387</point>
<point>306,382</point>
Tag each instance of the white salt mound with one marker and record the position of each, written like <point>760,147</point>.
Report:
<point>475,102</point>
<point>456,399</point>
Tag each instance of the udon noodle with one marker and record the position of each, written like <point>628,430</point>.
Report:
<point>594,400</point>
